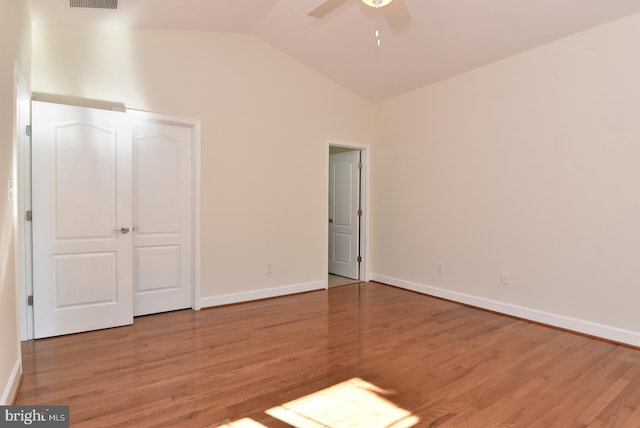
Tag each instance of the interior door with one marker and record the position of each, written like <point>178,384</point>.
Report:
<point>162,216</point>
<point>344,203</point>
<point>81,202</point>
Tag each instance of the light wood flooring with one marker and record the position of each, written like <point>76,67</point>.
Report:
<point>339,281</point>
<point>359,355</point>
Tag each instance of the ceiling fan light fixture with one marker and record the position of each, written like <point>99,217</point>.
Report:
<point>376,3</point>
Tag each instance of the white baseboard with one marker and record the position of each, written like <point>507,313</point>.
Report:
<point>227,299</point>
<point>581,326</point>
<point>11,388</point>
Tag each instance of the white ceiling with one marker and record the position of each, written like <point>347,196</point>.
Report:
<point>445,37</point>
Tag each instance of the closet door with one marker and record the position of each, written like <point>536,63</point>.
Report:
<point>82,219</point>
<point>162,210</point>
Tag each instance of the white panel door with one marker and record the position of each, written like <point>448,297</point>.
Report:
<point>162,216</point>
<point>344,203</point>
<point>82,253</point>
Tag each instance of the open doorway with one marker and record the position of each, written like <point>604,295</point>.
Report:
<point>346,214</point>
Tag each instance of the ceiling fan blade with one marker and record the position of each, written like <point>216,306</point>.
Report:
<point>326,8</point>
<point>397,14</point>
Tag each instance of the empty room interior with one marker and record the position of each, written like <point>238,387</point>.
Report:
<point>187,180</point>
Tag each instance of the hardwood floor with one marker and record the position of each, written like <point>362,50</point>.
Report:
<point>358,355</point>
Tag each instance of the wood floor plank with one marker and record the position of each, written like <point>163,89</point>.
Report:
<point>428,362</point>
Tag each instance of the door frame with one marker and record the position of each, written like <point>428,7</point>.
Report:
<point>364,272</point>
<point>23,192</point>
<point>24,240</point>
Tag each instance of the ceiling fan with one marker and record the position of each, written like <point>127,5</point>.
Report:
<point>395,11</point>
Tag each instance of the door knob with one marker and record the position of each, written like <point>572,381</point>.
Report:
<point>123,229</point>
<point>330,220</point>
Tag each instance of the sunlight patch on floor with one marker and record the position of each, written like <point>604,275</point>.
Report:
<point>243,423</point>
<point>354,403</point>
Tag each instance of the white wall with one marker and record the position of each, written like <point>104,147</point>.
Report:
<point>265,122</point>
<point>14,46</point>
<point>530,166</point>
<point>527,166</point>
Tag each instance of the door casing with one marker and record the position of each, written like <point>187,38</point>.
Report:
<point>344,205</point>
<point>365,197</point>
<point>23,185</point>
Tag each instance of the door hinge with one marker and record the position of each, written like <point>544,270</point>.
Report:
<point>359,165</point>
<point>28,215</point>
<point>359,259</point>
<point>359,213</point>
<point>30,300</point>
<point>28,130</point>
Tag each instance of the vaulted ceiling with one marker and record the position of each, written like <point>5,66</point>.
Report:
<point>444,38</point>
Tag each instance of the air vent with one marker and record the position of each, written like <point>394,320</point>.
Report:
<point>95,4</point>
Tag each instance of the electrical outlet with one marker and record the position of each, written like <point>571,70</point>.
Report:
<point>504,278</point>
<point>440,267</point>
<point>269,269</point>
